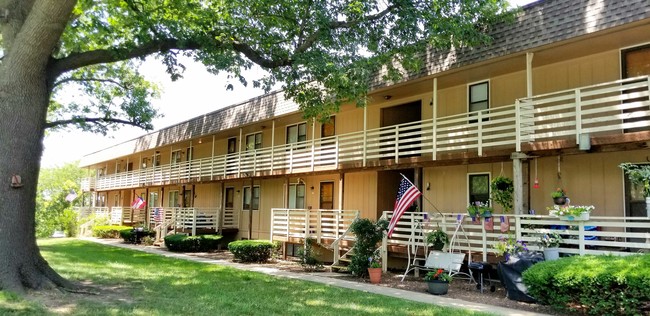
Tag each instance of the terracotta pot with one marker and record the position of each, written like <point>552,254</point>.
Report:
<point>375,275</point>
<point>438,287</point>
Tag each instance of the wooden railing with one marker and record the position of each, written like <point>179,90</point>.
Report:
<point>598,235</point>
<point>613,107</point>
<point>314,224</point>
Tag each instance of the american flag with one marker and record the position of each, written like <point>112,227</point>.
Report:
<point>406,194</point>
<point>158,215</point>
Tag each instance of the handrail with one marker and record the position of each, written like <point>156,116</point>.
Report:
<point>335,244</point>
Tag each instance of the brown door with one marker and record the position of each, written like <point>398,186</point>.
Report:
<point>408,136</point>
<point>326,196</point>
<point>635,62</point>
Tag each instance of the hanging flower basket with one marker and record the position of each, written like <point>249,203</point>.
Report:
<point>571,212</point>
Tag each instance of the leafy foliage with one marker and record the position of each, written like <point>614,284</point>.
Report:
<point>251,250</point>
<point>53,211</point>
<point>324,53</point>
<point>439,275</point>
<point>639,175</point>
<point>368,234</point>
<point>135,236</point>
<point>595,285</point>
<point>308,257</point>
<point>109,231</point>
<point>502,190</point>
<point>185,243</point>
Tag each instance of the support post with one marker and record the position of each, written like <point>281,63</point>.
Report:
<point>434,104</point>
<point>518,181</point>
<point>365,133</point>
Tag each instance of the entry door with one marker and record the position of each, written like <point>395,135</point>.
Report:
<point>326,196</point>
<point>635,62</point>
<point>407,139</point>
<point>635,207</point>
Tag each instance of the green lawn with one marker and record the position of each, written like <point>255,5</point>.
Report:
<point>144,284</point>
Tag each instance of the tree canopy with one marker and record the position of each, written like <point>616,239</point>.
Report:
<point>322,52</point>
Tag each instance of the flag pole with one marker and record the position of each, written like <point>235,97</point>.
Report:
<point>424,197</point>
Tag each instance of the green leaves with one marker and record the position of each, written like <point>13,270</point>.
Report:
<point>325,53</point>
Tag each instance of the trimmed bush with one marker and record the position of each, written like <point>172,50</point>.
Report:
<point>251,250</point>
<point>108,231</point>
<point>596,285</point>
<point>135,237</point>
<point>184,243</point>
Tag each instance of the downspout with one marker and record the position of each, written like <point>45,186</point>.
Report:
<point>250,213</point>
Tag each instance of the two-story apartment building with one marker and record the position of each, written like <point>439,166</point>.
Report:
<point>558,99</point>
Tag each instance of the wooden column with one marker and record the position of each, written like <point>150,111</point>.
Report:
<point>518,181</point>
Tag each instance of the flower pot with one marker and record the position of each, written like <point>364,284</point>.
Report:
<point>488,224</point>
<point>375,275</point>
<point>438,287</point>
<point>476,220</point>
<point>505,224</point>
<point>486,214</point>
<point>560,200</point>
<point>551,254</point>
<point>581,217</point>
<point>438,246</point>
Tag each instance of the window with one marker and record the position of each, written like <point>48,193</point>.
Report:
<point>296,133</point>
<point>190,153</point>
<point>232,145</point>
<point>173,199</point>
<point>153,199</point>
<point>478,188</point>
<point>156,159</point>
<point>327,195</point>
<point>188,198</point>
<point>229,198</point>
<point>254,141</point>
<point>479,97</point>
<point>176,157</point>
<point>255,199</point>
<point>297,196</point>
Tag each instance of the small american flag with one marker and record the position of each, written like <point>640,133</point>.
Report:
<point>158,215</point>
<point>406,194</point>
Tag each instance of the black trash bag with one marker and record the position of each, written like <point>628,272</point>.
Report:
<point>510,275</point>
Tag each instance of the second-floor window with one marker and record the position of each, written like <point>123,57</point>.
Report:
<point>232,145</point>
<point>296,133</point>
<point>254,141</point>
<point>478,97</point>
<point>176,157</point>
<point>254,199</point>
<point>156,159</point>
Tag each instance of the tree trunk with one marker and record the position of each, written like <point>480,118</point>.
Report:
<point>24,99</point>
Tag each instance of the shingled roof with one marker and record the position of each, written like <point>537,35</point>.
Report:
<point>540,23</point>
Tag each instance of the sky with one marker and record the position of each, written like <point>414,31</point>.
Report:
<point>197,93</point>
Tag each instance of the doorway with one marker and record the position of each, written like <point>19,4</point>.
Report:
<point>408,135</point>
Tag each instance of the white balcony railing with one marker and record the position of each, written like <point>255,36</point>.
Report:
<point>316,224</point>
<point>598,235</point>
<point>614,107</point>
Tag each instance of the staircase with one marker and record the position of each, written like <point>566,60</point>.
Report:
<point>341,263</point>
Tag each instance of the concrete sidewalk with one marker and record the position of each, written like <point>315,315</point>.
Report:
<point>332,281</point>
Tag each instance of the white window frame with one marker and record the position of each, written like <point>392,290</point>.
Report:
<point>176,157</point>
<point>255,141</point>
<point>297,126</point>
<point>293,195</point>
<point>169,198</point>
<point>471,112</point>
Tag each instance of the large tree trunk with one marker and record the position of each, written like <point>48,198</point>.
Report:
<point>24,98</point>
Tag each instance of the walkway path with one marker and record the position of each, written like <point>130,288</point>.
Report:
<point>332,281</point>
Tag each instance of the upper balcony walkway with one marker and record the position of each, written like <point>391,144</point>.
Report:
<point>612,108</point>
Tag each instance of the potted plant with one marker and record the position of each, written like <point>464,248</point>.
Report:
<point>479,209</point>
<point>502,190</point>
<point>571,212</point>
<point>559,196</point>
<point>374,268</point>
<point>437,239</point>
<point>438,282</point>
<point>368,234</point>
<point>509,246</point>
<point>550,243</point>
<point>639,175</point>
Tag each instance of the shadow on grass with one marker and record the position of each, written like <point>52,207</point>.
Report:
<point>131,282</point>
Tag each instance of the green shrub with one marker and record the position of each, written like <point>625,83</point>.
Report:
<point>607,285</point>
<point>135,237</point>
<point>368,235</point>
<point>184,243</point>
<point>251,250</point>
<point>108,231</point>
<point>307,256</point>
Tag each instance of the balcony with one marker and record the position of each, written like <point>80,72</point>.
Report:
<point>611,108</point>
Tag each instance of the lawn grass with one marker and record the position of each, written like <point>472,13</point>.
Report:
<point>149,284</point>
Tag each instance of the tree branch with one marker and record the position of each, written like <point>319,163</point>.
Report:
<point>94,120</point>
<point>66,80</point>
